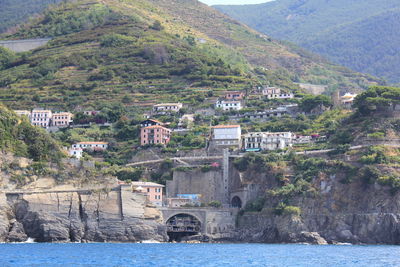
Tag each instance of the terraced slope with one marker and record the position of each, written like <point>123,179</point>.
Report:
<point>146,51</point>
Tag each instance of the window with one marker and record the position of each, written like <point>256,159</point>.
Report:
<point>148,190</point>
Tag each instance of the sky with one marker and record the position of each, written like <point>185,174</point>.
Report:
<point>233,2</point>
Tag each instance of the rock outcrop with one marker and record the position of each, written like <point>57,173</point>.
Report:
<point>355,213</point>
<point>117,215</point>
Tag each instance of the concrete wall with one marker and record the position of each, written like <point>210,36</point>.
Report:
<point>208,184</point>
<point>24,45</point>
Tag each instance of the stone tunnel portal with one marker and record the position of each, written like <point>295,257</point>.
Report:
<point>182,225</point>
<point>236,202</point>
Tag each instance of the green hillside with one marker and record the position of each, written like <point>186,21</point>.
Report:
<point>14,12</point>
<point>20,138</point>
<point>142,52</point>
<point>362,35</point>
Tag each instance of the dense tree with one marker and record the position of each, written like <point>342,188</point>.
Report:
<point>310,102</point>
<point>377,98</point>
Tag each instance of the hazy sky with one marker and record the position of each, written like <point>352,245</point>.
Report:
<point>233,2</point>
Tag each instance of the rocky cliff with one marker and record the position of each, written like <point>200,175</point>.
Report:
<point>79,216</point>
<point>336,212</point>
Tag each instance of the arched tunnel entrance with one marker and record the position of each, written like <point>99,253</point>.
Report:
<point>182,225</point>
<point>236,202</point>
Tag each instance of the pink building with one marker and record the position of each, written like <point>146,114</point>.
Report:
<point>61,119</point>
<point>155,134</point>
<point>234,95</point>
<point>153,191</point>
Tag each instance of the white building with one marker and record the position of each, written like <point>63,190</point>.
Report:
<point>75,152</point>
<point>226,135</point>
<point>96,146</point>
<point>302,139</point>
<point>226,105</point>
<point>167,108</point>
<point>41,117</point>
<point>267,140</point>
<point>276,93</point>
<point>347,100</point>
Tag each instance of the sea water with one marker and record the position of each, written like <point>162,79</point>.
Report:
<point>191,255</point>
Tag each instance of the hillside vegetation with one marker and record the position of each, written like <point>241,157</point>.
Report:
<point>362,35</point>
<point>20,138</point>
<point>143,52</point>
<point>14,12</point>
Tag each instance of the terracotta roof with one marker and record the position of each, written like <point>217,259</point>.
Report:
<point>155,127</point>
<point>225,126</point>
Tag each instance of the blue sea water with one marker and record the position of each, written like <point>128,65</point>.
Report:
<point>191,255</point>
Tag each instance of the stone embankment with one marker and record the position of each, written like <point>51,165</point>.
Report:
<point>115,215</point>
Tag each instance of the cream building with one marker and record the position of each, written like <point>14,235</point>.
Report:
<point>267,140</point>
<point>61,119</point>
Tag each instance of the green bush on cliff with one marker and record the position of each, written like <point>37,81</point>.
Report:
<point>375,155</point>
<point>285,210</point>
<point>255,206</point>
<point>390,180</point>
<point>369,174</point>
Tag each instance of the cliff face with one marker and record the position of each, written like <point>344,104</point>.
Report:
<point>80,216</point>
<point>350,213</point>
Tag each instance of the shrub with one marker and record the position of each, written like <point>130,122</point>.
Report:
<point>215,204</point>
<point>369,174</point>
<point>157,26</point>
<point>390,180</point>
<point>292,210</point>
<point>377,135</point>
<point>115,40</point>
<point>205,168</point>
<point>255,205</point>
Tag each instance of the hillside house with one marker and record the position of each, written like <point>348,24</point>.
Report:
<point>91,112</point>
<point>150,122</point>
<point>153,191</point>
<point>267,140</point>
<point>155,134</point>
<point>347,100</point>
<point>276,93</point>
<point>226,135</point>
<point>61,119</point>
<point>41,117</point>
<point>167,108</point>
<point>234,95</point>
<point>227,105</point>
<point>75,152</point>
<point>93,146</point>
<point>302,139</point>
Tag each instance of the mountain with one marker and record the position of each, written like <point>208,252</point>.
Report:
<point>13,12</point>
<point>361,35</point>
<point>151,51</point>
